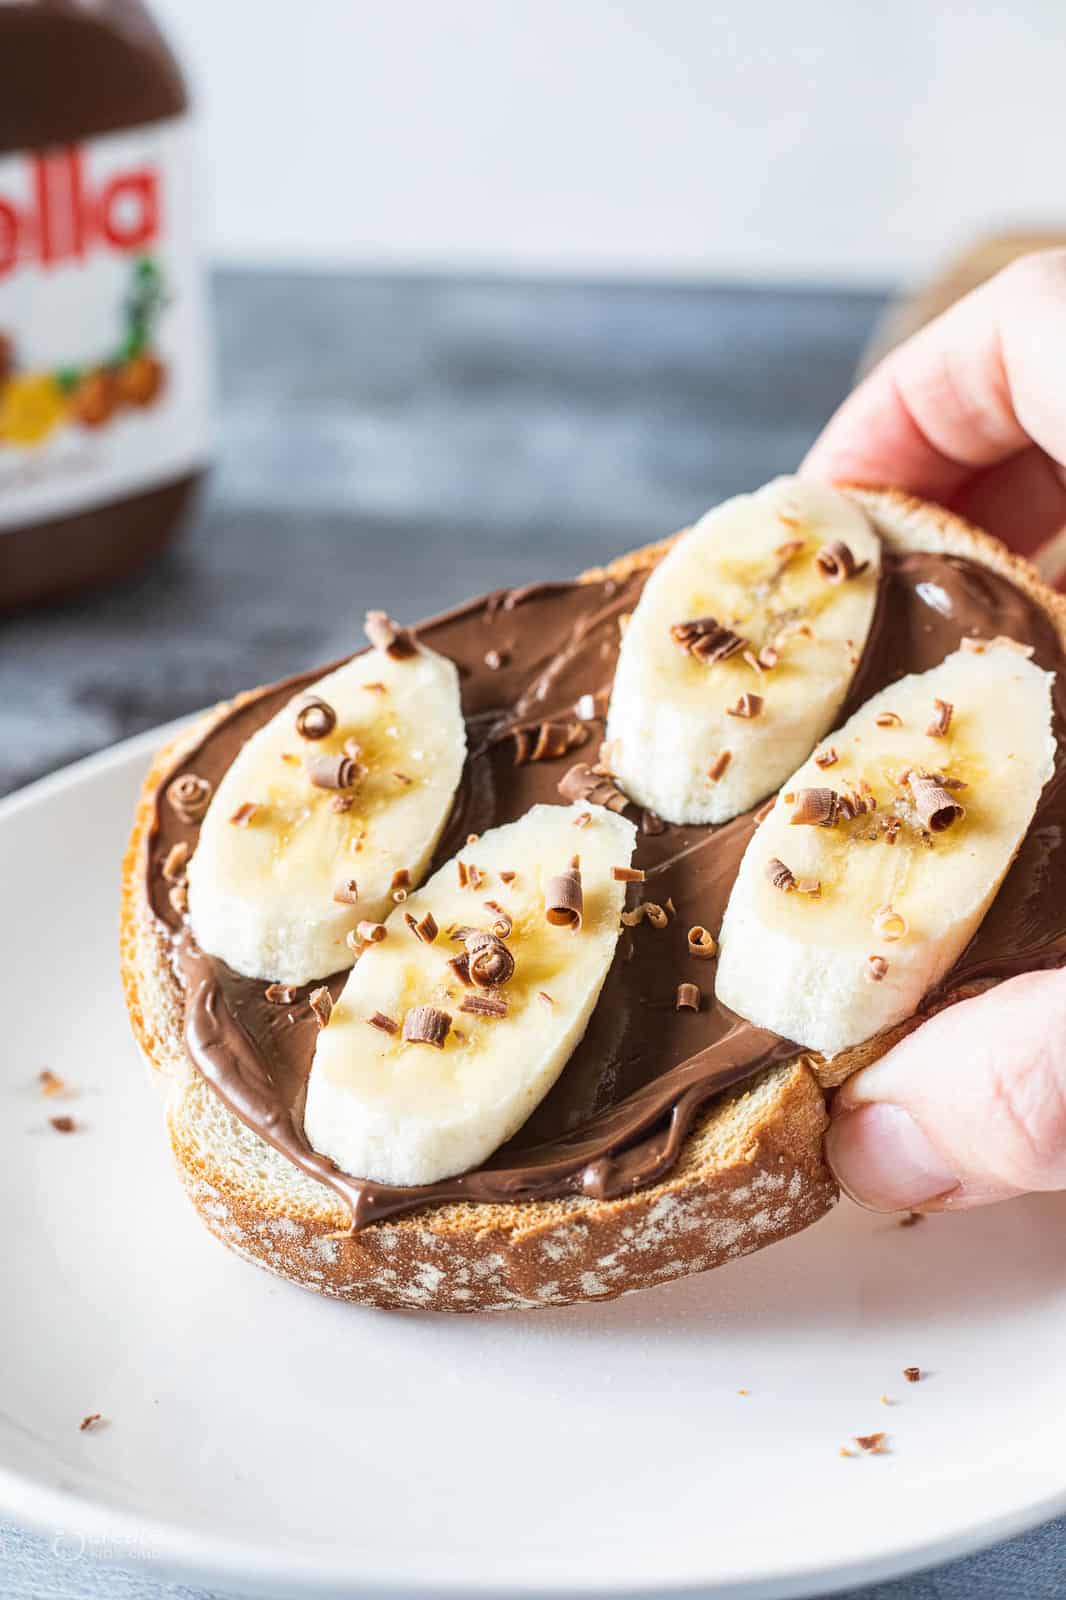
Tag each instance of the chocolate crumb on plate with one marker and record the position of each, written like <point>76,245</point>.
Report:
<point>63,1124</point>
<point>872,1444</point>
<point>90,1423</point>
<point>912,1374</point>
<point>51,1084</point>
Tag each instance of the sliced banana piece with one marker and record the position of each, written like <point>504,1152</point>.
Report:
<point>287,865</point>
<point>883,852</point>
<point>741,649</point>
<point>423,1070</point>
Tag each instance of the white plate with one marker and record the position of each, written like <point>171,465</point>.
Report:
<point>259,1436</point>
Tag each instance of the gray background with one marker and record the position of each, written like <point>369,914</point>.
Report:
<point>404,443</point>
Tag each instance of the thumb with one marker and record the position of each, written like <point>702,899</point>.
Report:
<point>969,1108</point>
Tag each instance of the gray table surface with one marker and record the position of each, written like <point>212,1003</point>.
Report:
<point>403,443</point>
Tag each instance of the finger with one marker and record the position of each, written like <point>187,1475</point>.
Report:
<point>1022,500</point>
<point>975,387</point>
<point>968,1109</point>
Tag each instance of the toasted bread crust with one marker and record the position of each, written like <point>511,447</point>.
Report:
<point>751,1172</point>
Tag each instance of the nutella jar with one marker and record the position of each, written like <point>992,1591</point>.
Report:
<point>104,371</point>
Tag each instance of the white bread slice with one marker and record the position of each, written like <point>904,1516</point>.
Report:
<point>751,1171</point>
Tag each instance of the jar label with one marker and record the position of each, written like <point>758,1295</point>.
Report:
<point>104,373</point>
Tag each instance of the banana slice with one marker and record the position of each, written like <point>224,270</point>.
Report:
<point>883,852</point>
<point>741,650</point>
<point>425,1068</point>
<point>297,848</point>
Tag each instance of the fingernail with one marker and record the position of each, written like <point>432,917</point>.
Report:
<point>883,1160</point>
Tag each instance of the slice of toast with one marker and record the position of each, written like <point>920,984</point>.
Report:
<point>751,1172</point>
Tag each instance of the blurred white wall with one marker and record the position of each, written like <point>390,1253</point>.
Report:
<point>836,139</point>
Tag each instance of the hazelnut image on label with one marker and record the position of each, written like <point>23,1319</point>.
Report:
<point>93,401</point>
<point>140,380</point>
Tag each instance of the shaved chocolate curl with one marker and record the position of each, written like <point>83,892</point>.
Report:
<point>717,767</point>
<point>189,796</point>
<point>384,634</point>
<point>490,963</point>
<point>836,563</point>
<point>942,714</point>
<point>688,997</point>
<point>372,932</point>
<point>335,772</point>
<point>483,1005</point>
<point>346,893</point>
<point>383,1023</point>
<point>748,706</point>
<point>779,875</point>
<point>427,1025</point>
<point>815,808</point>
<point>701,943</point>
<point>582,783</point>
<point>706,639</point>
<point>321,1002</point>
<point>547,742</point>
<point>279,994</point>
<point>563,900</point>
<point>315,718</point>
<point>936,807</point>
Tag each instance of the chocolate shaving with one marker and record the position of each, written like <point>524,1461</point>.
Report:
<point>400,880</point>
<point>372,932</point>
<point>346,893</point>
<point>491,964</point>
<point>51,1083</point>
<point>780,875</point>
<point>427,1025</point>
<point>244,813</point>
<point>335,772</point>
<point>384,634</point>
<point>315,718</point>
<point>494,660</point>
<point>706,639</point>
<point>63,1124</point>
<point>385,1024</point>
<point>582,783</point>
<point>836,563</point>
<point>189,796</point>
<point>688,997</point>
<point>815,808</point>
<point>872,1443</point>
<point>651,824</point>
<point>936,808</point>
<point>179,899</point>
<point>912,1374</point>
<point>460,965</point>
<point>701,943</point>
<point>888,719</point>
<point>748,706</point>
<point>341,803</point>
<point>876,968</point>
<point>856,802</point>
<point>280,994</point>
<point>826,758</point>
<point>502,924</point>
<point>426,929</point>
<point>175,863</point>
<point>508,877</point>
<point>943,710</point>
<point>402,777</point>
<point>809,886</point>
<point>483,1005</point>
<point>547,742</point>
<point>768,657</point>
<point>717,767</point>
<point>627,874</point>
<point>563,900</point>
<point>542,994</point>
<point>321,1002</point>
<point>89,1423</point>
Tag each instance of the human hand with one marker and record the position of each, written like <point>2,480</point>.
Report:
<point>970,412</point>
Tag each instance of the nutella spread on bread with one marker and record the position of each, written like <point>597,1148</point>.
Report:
<point>103,344</point>
<point>536,668</point>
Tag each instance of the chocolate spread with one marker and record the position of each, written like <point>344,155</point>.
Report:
<point>618,1115</point>
<point>103,349</point>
